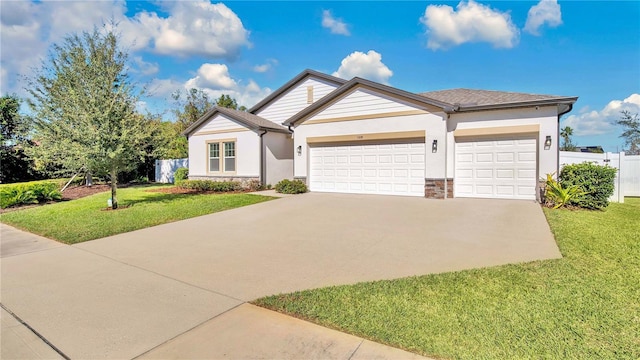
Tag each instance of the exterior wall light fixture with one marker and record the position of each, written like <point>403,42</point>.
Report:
<point>434,146</point>
<point>547,142</point>
<point>299,150</point>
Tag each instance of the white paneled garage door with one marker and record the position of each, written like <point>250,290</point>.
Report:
<point>502,168</point>
<point>388,169</point>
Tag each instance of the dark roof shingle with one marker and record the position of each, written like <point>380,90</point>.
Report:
<point>249,120</point>
<point>474,97</point>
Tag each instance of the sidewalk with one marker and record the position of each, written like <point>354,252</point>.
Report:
<point>90,306</point>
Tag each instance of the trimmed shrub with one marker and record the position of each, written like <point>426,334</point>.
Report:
<point>595,181</point>
<point>180,175</point>
<point>210,185</point>
<point>287,186</point>
<point>29,193</point>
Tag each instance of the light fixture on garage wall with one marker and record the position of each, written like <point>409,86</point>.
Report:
<point>299,150</point>
<point>547,142</point>
<point>434,146</point>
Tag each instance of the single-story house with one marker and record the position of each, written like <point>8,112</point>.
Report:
<point>359,136</point>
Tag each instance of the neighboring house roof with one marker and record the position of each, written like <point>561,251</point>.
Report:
<point>284,88</point>
<point>432,104</point>
<point>473,99</point>
<point>251,121</point>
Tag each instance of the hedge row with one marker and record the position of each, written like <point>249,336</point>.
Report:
<point>29,193</point>
<point>210,185</point>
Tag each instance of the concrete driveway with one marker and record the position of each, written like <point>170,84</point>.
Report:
<point>169,287</point>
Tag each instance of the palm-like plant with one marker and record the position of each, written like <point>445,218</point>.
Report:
<point>559,196</point>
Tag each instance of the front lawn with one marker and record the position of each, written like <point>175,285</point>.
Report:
<point>87,218</point>
<point>584,306</point>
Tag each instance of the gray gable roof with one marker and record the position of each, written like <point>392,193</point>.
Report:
<point>284,88</point>
<point>355,82</point>
<point>250,121</point>
<point>473,99</point>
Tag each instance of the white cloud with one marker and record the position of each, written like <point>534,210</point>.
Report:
<point>368,66</point>
<point>213,76</point>
<point>163,88</point>
<point>470,22</point>
<point>192,28</point>
<point>28,28</point>
<point>266,66</point>
<point>337,26</point>
<point>215,80</point>
<point>601,122</point>
<point>546,11</point>
<point>144,67</point>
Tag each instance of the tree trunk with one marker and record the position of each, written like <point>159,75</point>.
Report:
<point>89,179</point>
<point>114,188</point>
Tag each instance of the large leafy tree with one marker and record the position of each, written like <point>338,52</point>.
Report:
<point>567,144</point>
<point>631,134</point>
<point>84,106</point>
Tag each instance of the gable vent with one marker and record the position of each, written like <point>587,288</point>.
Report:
<point>309,94</point>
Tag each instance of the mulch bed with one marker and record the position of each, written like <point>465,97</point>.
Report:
<point>77,192</point>
<point>177,190</point>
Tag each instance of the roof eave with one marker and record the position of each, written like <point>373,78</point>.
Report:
<point>519,104</point>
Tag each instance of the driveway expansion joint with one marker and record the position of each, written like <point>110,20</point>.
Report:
<point>356,350</point>
<point>35,332</point>
<point>188,330</point>
<point>162,275</point>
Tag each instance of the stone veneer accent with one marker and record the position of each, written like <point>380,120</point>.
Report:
<point>540,190</point>
<point>301,178</point>
<point>434,188</point>
<point>246,181</point>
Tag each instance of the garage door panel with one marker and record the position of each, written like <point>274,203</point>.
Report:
<point>505,157</point>
<point>394,169</point>
<point>496,168</point>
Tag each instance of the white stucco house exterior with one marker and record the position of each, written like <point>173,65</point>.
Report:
<point>359,136</point>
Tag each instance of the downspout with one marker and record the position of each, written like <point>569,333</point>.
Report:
<point>290,127</point>
<point>447,112</point>
<point>263,164</point>
<point>446,151</point>
<point>558,139</point>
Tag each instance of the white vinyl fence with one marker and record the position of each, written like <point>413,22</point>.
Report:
<point>166,168</point>
<point>627,182</point>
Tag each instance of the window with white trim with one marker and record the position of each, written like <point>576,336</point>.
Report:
<point>214,157</point>
<point>229,156</point>
<point>222,156</point>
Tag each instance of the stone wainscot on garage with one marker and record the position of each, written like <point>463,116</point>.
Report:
<point>363,137</point>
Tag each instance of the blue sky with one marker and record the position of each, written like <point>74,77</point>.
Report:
<point>246,49</point>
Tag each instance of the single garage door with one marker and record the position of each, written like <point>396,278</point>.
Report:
<point>503,168</point>
<point>382,168</point>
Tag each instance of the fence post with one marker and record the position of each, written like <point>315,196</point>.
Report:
<point>621,170</point>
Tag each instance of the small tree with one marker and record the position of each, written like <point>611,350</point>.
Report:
<point>567,144</point>
<point>84,106</point>
<point>229,102</point>
<point>631,134</point>
<point>190,106</point>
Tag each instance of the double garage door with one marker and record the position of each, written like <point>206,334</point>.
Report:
<point>502,167</point>
<point>378,168</point>
<point>498,167</point>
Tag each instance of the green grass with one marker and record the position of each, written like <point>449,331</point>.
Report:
<point>584,306</point>
<point>86,218</point>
